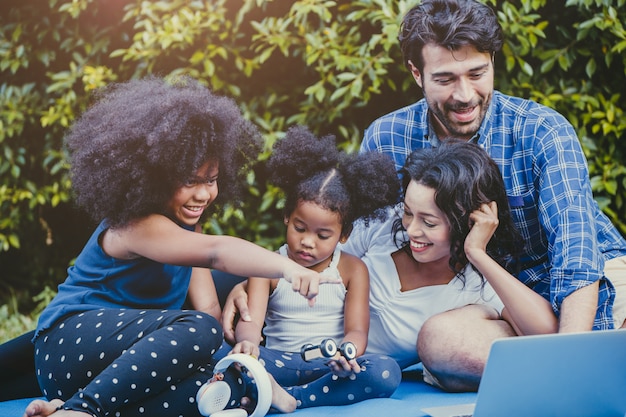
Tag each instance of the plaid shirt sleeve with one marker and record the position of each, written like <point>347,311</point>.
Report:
<point>546,172</point>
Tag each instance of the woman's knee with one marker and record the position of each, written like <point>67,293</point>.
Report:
<point>439,333</point>
<point>454,345</point>
<point>470,327</point>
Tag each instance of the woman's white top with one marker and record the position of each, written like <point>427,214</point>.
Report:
<point>396,316</point>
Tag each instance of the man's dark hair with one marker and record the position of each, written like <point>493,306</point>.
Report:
<point>451,24</point>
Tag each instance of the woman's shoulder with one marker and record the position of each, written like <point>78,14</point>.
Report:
<point>377,233</point>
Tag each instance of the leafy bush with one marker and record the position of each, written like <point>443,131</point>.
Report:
<point>13,323</point>
<point>333,65</point>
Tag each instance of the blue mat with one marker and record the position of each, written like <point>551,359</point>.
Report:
<point>408,400</point>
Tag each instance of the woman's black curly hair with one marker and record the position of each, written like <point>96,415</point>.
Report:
<point>143,139</point>
<point>356,186</point>
<point>464,177</point>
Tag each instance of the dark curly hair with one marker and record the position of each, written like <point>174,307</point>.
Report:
<point>143,139</point>
<point>464,177</point>
<point>450,24</point>
<point>356,186</point>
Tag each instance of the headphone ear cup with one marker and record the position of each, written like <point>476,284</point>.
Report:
<point>207,396</point>
<point>213,397</point>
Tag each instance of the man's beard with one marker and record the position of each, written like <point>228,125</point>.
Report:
<point>456,129</point>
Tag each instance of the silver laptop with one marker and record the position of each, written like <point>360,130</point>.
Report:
<point>569,375</point>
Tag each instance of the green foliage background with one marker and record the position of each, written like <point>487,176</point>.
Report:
<point>333,65</point>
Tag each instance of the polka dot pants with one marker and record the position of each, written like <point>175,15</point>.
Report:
<point>128,362</point>
<point>313,385</point>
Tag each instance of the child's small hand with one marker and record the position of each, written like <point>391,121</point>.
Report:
<point>484,223</point>
<point>342,367</point>
<point>246,347</point>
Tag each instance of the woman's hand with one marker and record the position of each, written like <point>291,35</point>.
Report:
<point>484,223</point>
<point>524,309</point>
<point>236,302</point>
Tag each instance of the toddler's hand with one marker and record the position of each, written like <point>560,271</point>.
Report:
<point>342,367</point>
<point>246,347</point>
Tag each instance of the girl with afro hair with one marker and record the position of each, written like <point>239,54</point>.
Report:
<point>145,162</point>
<point>326,192</point>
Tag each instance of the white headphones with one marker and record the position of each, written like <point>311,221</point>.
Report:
<point>213,396</point>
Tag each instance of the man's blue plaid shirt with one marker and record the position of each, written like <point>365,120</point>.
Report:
<point>567,237</point>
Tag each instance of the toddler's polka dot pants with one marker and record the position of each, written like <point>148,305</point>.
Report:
<point>128,362</point>
<point>313,384</point>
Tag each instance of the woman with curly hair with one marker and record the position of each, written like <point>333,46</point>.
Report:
<point>145,161</point>
<point>450,245</point>
<point>326,192</point>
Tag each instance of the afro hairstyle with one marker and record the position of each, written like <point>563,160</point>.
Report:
<point>312,169</point>
<point>143,139</point>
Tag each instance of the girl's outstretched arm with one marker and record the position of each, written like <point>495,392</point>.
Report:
<point>527,311</point>
<point>158,238</point>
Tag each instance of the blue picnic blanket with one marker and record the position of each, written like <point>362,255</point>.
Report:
<point>411,396</point>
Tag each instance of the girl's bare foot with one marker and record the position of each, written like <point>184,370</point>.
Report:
<point>42,408</point>
<point>281,399</point>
